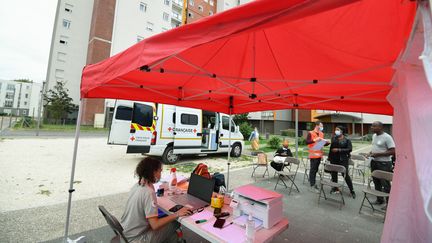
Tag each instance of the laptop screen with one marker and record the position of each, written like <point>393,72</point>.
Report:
<point>201,187</point>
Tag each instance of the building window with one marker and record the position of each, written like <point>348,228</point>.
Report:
<point>68,7</point>
<point>149,26</point>
<point>26,95</point>
<point>61,56</point>
<point>190,15</point>
<point>9,96</point>
<point>25,102</point>
<point>191,2</point>
<point>167,2</point>
<point>64,40</point>
<point>143,7</point>
<point>212,2</point>
<point>139,38</point>
<point>27,87</point>
<point>10,87</point>
<point>165,16</point>
<point>200,8</point>
<point>66,24</point>
<point>59,73</point>
<point>8,103</point>
<point>24,111</point>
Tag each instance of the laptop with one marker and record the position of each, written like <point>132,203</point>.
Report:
<point>198,195</point>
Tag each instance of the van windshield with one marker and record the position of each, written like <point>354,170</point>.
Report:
<point>142,115</point>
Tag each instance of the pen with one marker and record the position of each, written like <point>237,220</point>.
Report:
<point>227,225</point>
<point>200,221</point>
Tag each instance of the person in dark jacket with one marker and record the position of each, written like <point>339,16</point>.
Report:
<point>280,156</point>
<point>340,153</point>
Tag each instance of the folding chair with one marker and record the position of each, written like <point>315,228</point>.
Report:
<point>326,182</point>
<point>261,162</point>
<point>290,175</point>
<point>114,224</point>
<point>305,161</point>
<point>378,174</point>
<point>358,165</point>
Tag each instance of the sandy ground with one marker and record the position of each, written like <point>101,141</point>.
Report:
<point>36,172</point>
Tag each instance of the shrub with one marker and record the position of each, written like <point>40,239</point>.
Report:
<point>274,142</point>
<point>246,129</point>
<point>288,133</point>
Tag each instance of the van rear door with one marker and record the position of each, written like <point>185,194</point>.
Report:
<point>121,122</point>
<point>187,131</point>
<point>142,128</point>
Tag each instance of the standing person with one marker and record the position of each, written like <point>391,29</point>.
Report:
<point>280,156</point>
<point>383,148</point>
<point>315,155</point>
<point>254,139</point>
<point>140,220</point>
<point>340,153</point>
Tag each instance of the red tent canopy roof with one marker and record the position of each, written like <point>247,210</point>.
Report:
<point>266,55</point>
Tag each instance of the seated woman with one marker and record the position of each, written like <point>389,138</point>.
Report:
<point>140,220</point>
<point>280,156</point>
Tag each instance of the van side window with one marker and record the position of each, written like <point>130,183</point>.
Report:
<point>225,124</point>
<point>174,118</point>
<point>189,119</point>
<point>124,113</point>
<point>143,115</point>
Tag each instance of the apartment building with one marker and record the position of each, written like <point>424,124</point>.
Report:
<point>19,98</point>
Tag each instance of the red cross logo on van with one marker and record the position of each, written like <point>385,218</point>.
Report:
<point>169,129</point>
<point>195,130</point>
<point>132,138</point>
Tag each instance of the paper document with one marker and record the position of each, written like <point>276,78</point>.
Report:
<point>318,145</point>
<point>256,193</point>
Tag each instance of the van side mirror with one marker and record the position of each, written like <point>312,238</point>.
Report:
<point>156,118</point>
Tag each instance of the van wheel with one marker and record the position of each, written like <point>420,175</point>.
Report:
<point>168,157</point>
<point>236,150</point>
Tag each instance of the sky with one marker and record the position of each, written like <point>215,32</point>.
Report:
<point>25,38</point>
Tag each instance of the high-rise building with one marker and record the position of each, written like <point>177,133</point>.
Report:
<point>87,32</point>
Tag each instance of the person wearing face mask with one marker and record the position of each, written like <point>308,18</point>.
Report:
<point>315,155</point>
<point>140,219</point>
<point>340,153</point>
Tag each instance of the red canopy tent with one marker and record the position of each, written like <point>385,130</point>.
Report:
<point>269,55</point>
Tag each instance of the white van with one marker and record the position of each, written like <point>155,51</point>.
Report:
<point>170,131</point>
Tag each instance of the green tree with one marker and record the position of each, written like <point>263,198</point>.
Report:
<point>246,129</point>
<point>240,118</point>
<point>58,103</point>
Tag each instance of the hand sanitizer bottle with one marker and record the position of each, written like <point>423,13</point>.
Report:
<point>250,229</point>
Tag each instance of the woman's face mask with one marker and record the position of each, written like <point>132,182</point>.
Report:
<point>321,129</point>
<point>338,133</point>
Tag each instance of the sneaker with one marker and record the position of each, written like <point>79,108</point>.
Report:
<point>353,195</point>
<point>316,190</point>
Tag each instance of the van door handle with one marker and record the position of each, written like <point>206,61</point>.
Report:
<point>174,133</point>
<point>132,131</point>
<point>221,135</point>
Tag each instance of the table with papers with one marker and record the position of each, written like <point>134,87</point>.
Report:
<point>231,233</point>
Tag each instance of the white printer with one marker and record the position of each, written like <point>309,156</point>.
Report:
<point>264,204</point>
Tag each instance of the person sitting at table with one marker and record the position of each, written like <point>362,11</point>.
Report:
<point>140,219</point>
<point>280,156</point>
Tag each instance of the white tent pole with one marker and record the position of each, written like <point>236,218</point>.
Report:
<point>296,132</point>
<point>229,141</point>
<point>71,190</point>
<point>362,126</point>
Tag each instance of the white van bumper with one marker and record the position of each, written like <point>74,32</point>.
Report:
<point>156,150</point>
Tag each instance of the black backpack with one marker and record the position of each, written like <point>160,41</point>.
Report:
<point>219,181</point>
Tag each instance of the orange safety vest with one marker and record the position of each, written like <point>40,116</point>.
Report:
<point>315,154</point>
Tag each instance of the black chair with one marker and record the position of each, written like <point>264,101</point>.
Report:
<point>114,224</point>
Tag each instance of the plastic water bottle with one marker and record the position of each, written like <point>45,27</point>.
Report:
<point>173,183</point>
<point>250,229</point>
